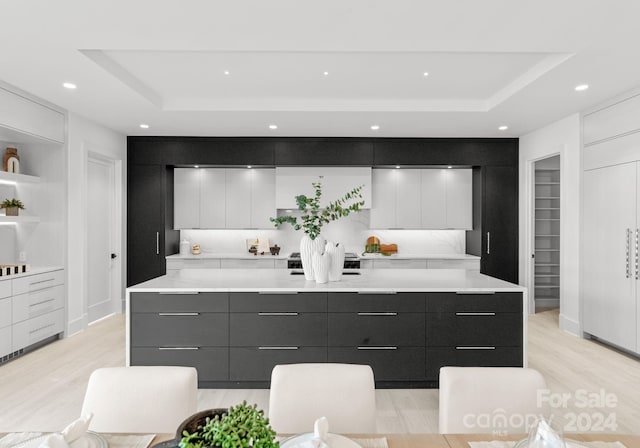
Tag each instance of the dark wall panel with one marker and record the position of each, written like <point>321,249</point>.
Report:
<point>324,152</point>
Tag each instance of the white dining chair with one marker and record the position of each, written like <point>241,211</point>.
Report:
<point>488,399</point>
<point>140,399</point>
<point>343,393</point>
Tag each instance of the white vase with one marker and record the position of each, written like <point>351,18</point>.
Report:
<point>336,251</point>
<point>321,266</point>
<point>307,249</point>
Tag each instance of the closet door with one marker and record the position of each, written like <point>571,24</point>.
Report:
<point>609,293</point>
<point>212,198</point>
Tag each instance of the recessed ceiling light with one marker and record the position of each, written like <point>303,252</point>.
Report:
<point>69,85</point>
<point>196,166</point>
<point>226,72</point>
<point>288,211</point>
<point>249,166</point>
<point>449,167</point>
<point>425,74</point>
<point>503,128</point>
<point>582,87</point>
<point>326,73</point>
<point>273,126</point>
<point>144,126</point>
<point>375,127</point>
<point>397,167</point>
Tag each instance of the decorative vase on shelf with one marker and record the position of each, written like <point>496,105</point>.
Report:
<point>321,266</point>
<point>307,248</point>
<point>336,252</point>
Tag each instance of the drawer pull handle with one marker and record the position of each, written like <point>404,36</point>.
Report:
<point>178,293</point>
<point>475,314</point>
<point>378,314</point>
<point>475,348</point>
<point>178,314</point>
<point>178,348</point>
<point>277,314</point>
<point>365,293</point>
<point>41,328</point>
<point>41,281</point>
<point>373,347</point>
<point>278,348</point>
<point>41,302</point>
<point>269,293</point>
<point>460,293</point>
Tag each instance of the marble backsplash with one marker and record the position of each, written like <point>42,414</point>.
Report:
<point>352,231</point>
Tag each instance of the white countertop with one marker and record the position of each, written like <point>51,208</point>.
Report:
<point>234,256</point>
<point>370,280</point>
<point>419,256</point>
<point>33,271</point>
<point>281,256</point>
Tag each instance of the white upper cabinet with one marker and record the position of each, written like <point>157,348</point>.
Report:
<point>213,198</point>
<point>422,199</point>
<point>459,199</point>
<point>336,182</point>
<point>29,117</point>
<point>223,198</point>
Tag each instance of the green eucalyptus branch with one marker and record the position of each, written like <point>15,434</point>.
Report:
<point>313,218</point>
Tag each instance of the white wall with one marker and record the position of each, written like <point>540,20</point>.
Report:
<point>561,137</point>
<point>86,137</point>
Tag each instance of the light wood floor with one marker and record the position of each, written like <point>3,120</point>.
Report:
<point>43,390</point>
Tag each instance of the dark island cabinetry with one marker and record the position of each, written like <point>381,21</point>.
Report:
<point>235,339</point>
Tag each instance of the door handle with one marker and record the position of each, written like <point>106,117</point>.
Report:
<point>637,255</point>
<point>628,263</point>
<point>488,243</point>
<point>157,243</point>
<point>114,256</point>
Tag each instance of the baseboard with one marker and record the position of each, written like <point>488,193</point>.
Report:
<point>77,325</point>
<point>547,303</point>
<point>569,325</point>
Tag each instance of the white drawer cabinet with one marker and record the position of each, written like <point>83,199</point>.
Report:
<point>5,312</point>
<point>193,263</point>
<point>36,303</point>
<point>36,282</point>
<point>257,263</point>
<point>470,265</point>
<point>5,288</point>
<point>36,329</point>
<point>412,263</point>
<point>5,341</point>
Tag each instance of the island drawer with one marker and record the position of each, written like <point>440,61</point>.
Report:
<point>471,356</point>
<point>474,328</point>
<point>5,312</point>
<point>376,328</point>
<point>510,302</point>
<point>212,363</point>
<point>256,363</point>
<point>179,329</point>
<point>389,363</point>
<point>5,288</point>
<point>278,328</point>
<point>247,302</point>
<point>152,302</point>
<point>372,302</point>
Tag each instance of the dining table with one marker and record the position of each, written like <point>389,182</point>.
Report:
<point>458,440</point>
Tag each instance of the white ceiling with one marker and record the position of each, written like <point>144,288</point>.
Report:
<point>163,62</point>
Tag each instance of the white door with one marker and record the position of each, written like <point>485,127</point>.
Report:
<point>609,303</point>
<point>101,297</point>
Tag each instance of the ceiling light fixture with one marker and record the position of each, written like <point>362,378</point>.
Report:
<point>375,127</point>
<point>144,126</point>
<point>326,73</point>
<point>196,166</point>
<point>249,166</point>
<point>397,167</point>
<point>582,87</point>
<point>449,167</point>
<point>503,128</point>
<point>69,85</point>
<point>226,72</point>
<point>273,127</point>
<point>425,74</point>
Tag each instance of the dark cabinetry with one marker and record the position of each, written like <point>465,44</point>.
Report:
<point>150,234</point>
<point>473,330</point>
<point>236,339</point>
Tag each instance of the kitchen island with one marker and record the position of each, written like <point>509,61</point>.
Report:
<point>234,325</point>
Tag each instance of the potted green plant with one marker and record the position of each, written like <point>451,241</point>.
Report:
<point>242,426</point>
<point>313,218</point>
<point>12,206</point>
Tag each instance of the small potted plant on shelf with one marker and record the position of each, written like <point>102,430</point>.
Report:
<point>242,426</point>
<point>12,206</point>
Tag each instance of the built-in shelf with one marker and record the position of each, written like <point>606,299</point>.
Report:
<point>19,219</point>
<point>547,275</point>
<point>547,208</point>
<point>545,236</point>
<point>548,264</point>
<point>547,286</point>
<point>17,178</point>
<point>547,197</point>
<point>546,250</point>
<point>547,183</point>
<point>547,219</point>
